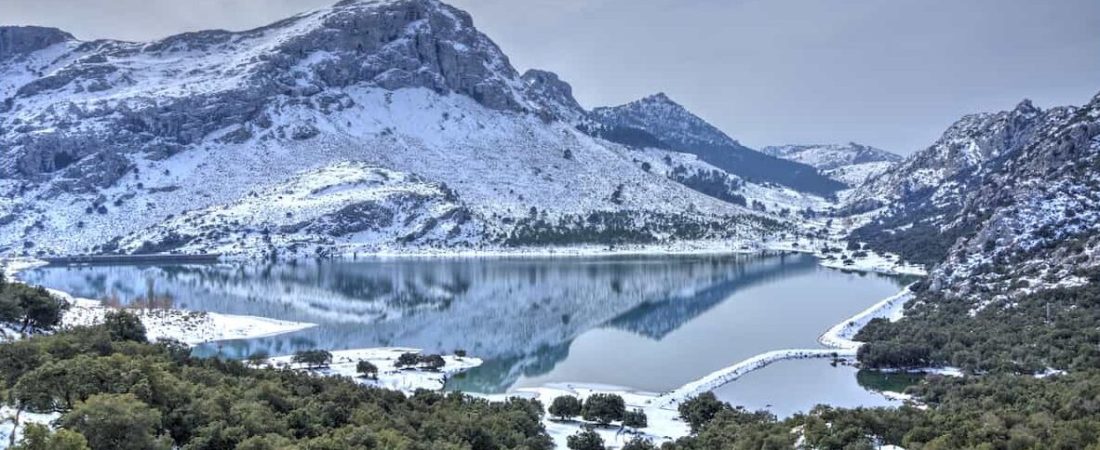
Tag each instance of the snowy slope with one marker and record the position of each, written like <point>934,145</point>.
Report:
<point>1003,203</point>
<point>658,121</point>
<point>850,163</point>
<point>366,126</point>
<point>917,201</point>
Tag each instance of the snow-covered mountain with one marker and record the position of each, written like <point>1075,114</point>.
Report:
<point>850,163</point>
<point>1002,202</point>
<point>367,126</point>
<point>657,121</point>
<point>926,190</point>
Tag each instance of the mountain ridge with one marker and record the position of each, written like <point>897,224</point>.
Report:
<point>675,128</point>
<point>1002,202</point>
<point>177,145</point>
<point>850,163</point>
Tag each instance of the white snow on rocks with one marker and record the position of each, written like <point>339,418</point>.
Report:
<point>664,424</point>
<point>13,421</point>
<point>389,375</point>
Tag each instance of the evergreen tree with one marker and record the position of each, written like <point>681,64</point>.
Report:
<point>313,359</point>
<point>407,360</point>
<point>603,408</point>
<point>699,410</point>
<point>124,326</point>
<point>366,370</point>
<point>635,419</point>
<point>565,407</point>
<point>431,362</point>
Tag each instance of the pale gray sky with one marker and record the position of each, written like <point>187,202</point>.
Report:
<point>893,73</point>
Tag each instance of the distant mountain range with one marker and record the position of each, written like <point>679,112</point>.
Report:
<point>397,126</point>
<point>851,163</point>
<point>367,126</point>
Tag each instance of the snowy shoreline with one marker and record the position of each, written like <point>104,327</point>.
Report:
<point>662,409</point>
<point>389,375</point>
<point>189,327</point>
<point>664,422</point>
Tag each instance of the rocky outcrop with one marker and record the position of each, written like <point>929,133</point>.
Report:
<point>968,146</point>
<point>1003,202</point>
<point>1036,216</point>
<point>17,41</point>
<point>554,96</point>
<point>108,96</point>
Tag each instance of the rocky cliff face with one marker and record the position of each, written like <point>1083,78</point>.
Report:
<point>21,41</point>
<point>106,97</point>
<point>554,96</point>
<point>1002,202</point>
<point>1036,216</point>
<point>969,146</point>
<point>189,143</point>
<point>924,194</point>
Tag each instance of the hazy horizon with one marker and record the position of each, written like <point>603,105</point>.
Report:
<point>767,72</point>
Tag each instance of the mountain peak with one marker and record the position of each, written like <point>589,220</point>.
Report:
<point>1026,107</point>
<point>19,40</point>
<point>659,98</point>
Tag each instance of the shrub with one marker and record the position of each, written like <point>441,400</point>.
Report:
<point>639,443</point>
<point>366,370</point>
<point>565,407</point>
<point>603,408</point>
<point>258,357</point>
<point>407,360</point>
<point>313,358</point>
<point>699,410</point>
<point>585,440</point>
<point>124,326</point>
<point>635,419</point>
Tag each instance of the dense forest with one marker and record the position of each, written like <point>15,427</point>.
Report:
<point>1033,365</point>
<point>1051,329</point>
<point>114,390</point>
<point>987,412</point>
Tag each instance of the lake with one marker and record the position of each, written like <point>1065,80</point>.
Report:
<point>649,323</point>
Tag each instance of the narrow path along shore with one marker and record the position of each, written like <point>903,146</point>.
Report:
<point>662,409</point>
<point>664,425</point>
<point>839,339</point>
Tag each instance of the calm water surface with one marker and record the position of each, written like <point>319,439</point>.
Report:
<point>793,386</point>
<point>649,323</point>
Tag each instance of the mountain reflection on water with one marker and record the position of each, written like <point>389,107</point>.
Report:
<point>520,315</point>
